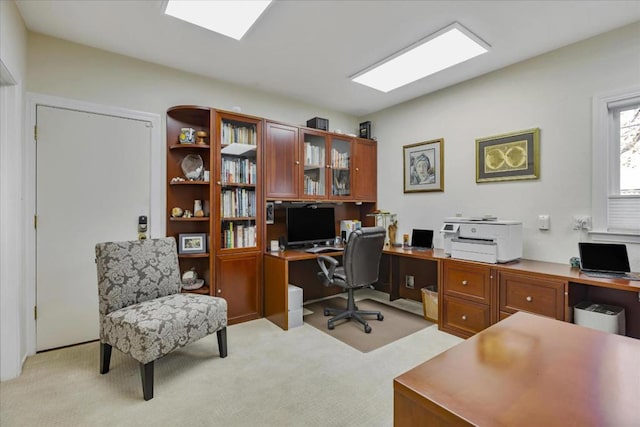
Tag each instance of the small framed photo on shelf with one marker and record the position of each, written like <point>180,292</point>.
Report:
<point>192,243</point>
<point>270,213</point>
<point>508,157</point>
<point>424,166</point>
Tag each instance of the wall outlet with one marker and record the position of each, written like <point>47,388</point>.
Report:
<point>408,281</point>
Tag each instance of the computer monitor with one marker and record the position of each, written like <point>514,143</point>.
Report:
<point>310,225</point>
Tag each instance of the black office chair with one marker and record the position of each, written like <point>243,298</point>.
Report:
<point>360,263</point>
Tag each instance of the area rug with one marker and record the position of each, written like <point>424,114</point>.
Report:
<point>396,324</point>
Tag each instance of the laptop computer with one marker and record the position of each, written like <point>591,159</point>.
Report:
<point>606,260</point>
<point>421,239</point>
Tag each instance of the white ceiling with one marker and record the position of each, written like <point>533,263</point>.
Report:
<point>307,50</point>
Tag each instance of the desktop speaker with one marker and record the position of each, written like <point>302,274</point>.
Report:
<point>318,123</point>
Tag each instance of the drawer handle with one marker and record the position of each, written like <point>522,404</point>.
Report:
<point>529,299</point>
<point>464,283</point>
<point>464,317</point>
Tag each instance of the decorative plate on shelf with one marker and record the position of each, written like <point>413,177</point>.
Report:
<point>192,166</point>
<point>196,284</point>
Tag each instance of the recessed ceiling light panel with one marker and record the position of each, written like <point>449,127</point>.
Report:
<point>230,18</point>
<point>447,47</point>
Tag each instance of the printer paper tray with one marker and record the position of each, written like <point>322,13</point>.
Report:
<point>469,250</point>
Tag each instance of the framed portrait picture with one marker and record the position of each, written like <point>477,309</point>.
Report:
<point>508,157</point>
<point>424,166</point>
<point>192,243</point>
<point>270,213</point>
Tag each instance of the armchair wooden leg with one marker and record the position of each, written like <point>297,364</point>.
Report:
<point>105,357</point>
<point>222,342</point>
<point>146,373</point>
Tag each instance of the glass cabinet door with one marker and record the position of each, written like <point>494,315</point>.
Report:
<point>314,159</point>
<point>238,182</point>
<point>340,167</point>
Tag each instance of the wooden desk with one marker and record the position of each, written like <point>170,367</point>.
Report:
<point>525,370</point>
<point>298,267</point>
<point>295,267</point>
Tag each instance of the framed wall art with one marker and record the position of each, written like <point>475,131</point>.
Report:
<point>192,243</point>
<point>424,166</point>
<point>270,213</point>
<point>508,157</point>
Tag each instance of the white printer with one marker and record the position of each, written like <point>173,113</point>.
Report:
<point>484,239</point>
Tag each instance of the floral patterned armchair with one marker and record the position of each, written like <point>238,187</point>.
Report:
<point>143,313</point>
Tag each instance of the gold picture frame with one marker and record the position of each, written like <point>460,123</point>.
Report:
<point>508,157</point>
<point>424,166</point>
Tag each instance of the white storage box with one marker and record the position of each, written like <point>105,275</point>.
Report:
<point>607,318</point>
<point>295,297</point>
<point>295,318</point>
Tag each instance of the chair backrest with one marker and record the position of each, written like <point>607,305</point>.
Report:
<point>361,258</point>
<point>135,271</point>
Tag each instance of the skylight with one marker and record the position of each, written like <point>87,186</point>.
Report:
<point>446,48</point>
<point>230,18</point>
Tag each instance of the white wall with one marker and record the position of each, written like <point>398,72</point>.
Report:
<point>60,68</point>
<point>552,92</point>
<point>13,54</point>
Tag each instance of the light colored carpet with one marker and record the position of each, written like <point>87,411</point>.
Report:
<point>396,324</point>
<point>301,377</point>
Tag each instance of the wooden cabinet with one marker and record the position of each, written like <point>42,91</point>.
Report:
<point>310,164</point>
<point>282,162</point>
<point>476,296</point>
<point>518,292</point>
<point>467,297</point>
<point>182,193</point>
<point>365,170</point>
<point>238,221</point>
<point>232,203</point>
<point>238,277</point>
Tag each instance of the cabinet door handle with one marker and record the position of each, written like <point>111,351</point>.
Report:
<point>297,162</point>
<point>529,299</point>
<point>219,291</point>
<point>464,317</point>
<point>464,283</point>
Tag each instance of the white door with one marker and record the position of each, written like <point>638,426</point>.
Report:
<point>92,184</point>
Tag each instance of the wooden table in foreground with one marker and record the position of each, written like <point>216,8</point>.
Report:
<point>526,370</point>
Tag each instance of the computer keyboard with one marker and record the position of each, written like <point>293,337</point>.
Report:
<point>323,249</point>
<point>606,275</point>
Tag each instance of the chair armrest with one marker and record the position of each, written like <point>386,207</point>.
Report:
<point>326,274</point>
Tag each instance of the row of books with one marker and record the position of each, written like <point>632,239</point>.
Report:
<point>232,134</point>
<point>339,159</point>
<point>238,170</point>
<point>239,202</point>
<point>313,186</point>
<point>313,154</point>
<point>238,236</point>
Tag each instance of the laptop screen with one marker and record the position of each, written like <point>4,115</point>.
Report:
<point>422,238</point>
<point>609,257</point>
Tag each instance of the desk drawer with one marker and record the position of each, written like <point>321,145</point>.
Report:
<point>540,296</point>
<point>464,318</point>
<point>468,281</point>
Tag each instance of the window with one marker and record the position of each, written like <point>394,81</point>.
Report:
<point>616,166</point>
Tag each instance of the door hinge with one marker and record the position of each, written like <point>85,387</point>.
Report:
<point>35,222</point>
<point>35,132</point>
<point>35,312</point>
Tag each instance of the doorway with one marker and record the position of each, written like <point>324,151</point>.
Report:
<point>96,172</point>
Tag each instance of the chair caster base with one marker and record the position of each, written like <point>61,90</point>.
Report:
<point>367,329</point>
<point>380,317</point>
<point>330,325</point>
